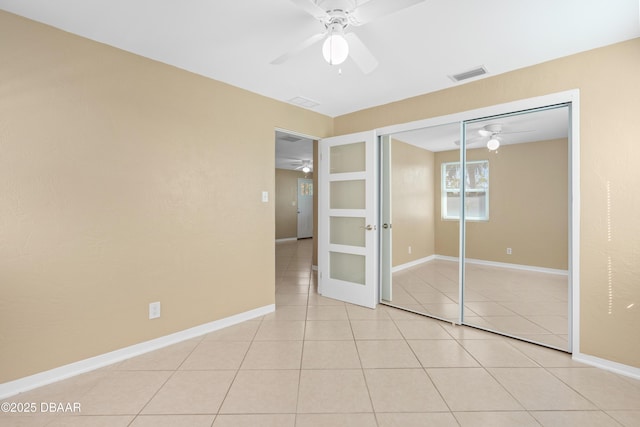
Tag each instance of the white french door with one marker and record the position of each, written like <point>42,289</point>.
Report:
<point>347,219</point>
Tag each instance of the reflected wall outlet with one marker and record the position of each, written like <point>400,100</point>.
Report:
<point>508,251</point>
<point>154,310</point>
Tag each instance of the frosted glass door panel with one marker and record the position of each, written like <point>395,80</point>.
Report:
<point>347,231</point>
<point>347,267</point>
<point>347,219</point>
<point>347,158</point>
<point>348,194</point>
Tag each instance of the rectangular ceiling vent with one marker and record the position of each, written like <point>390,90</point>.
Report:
<point>290,138</point>
<point>478,71</point>
<point>304,102</point>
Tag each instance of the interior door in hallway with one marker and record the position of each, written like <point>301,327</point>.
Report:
<point>347,219</point>
<point>305,208</point>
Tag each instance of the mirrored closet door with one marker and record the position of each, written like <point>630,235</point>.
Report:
<point>420,262</point>
<point>516,233</point>
<point>507,178</point>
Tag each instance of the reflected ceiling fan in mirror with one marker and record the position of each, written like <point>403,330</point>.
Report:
<point>305,166</point>
<point>494,134</point>
<point>337,16</point>
<point>491,134</point>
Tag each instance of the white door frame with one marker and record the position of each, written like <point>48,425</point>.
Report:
<point>572,97</point>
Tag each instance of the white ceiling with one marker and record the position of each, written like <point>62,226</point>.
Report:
<point>417,48</point>
<point>293,151</point>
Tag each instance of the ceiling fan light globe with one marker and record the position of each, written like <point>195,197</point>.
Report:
<point>335,49</point>
<point>306,169</point>
<point>493,144</point>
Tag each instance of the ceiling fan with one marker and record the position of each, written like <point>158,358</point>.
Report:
<point>337,16</point>
<point>305,165</point>
<point>492,134</point>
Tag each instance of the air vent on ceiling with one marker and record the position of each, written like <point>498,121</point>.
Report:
<point>290,138</point>
<point>478,71</point>
<point>304,102</point>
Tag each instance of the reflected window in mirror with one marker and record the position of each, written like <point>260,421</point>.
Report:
<point>476,190</point>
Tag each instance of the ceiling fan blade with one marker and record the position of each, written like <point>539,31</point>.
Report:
<point>517,131</point>
<point>374,9</point>
<point>362,56</point>
<point>296,50</point>
<point>469,141</point>
<point>312,9</point>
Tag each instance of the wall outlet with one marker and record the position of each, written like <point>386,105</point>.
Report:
<point>154,310</point>
<point>409,250</point>
<point>508,251</point>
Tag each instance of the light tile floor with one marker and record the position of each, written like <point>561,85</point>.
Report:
<point>528,304</point>
<point>320,362</point>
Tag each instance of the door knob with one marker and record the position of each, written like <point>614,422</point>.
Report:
<point>386,225</point>
<point>369,227</point>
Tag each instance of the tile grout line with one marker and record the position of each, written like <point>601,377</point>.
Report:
<point>364,377</point>
<point>304,333</point>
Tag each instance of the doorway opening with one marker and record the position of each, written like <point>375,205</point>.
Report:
<point>296,188</point>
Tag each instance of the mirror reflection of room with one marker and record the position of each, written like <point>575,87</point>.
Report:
<point>515,275</point>
<point>423,265</point>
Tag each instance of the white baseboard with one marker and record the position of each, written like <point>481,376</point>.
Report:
<point>608,365</point>
<point>480,262</point>
<point>288,239</point>
<point>21,385</point>
<point>516,266</point>
<point>412,263</point>
<point>446,258</point>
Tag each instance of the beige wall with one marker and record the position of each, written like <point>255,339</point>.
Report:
<point>412,198</point>
<point>609,128</point>
<point>125,181</point>
<point>286,202</point>
<point>528,206</point>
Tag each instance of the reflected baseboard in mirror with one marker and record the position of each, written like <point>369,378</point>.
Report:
<point>527,304</point>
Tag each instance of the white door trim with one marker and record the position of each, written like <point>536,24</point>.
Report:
<point>571,96</point>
